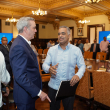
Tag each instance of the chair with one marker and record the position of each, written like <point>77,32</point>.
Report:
<point>101,55</point>
<point>101,83</point>
<point>84,89</point>
<point>88,55</point>
<point>45,51</point>
<point>40,51</point>
<point>45,77</point>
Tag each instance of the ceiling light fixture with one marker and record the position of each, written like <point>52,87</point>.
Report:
<point>39,12</point>
<point>12,19</point>
<point>84,21</point>
<point>92,1</point>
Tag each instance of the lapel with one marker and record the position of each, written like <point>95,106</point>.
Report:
<point>29,48</point>
<point>5,48</point>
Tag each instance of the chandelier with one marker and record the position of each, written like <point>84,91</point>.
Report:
<point>12,19</point>
<point>92,1</point>
<point>84,21</point>
<point>39,12</point>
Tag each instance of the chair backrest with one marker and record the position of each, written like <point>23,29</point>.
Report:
<point>44,77</point>
<point>45,51</point>
<point>101,84</point>
<point>101,56</point>
<point>88,55</point>
<point>83,88</point>
<point>40,51</point>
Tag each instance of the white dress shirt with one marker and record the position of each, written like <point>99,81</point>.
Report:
<point>4,75</point>
<point>87,46</point>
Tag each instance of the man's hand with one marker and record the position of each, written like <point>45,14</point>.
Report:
<point>53,69</point>
<point>74,80</point>
<point>7,92</point>
<point>44,96</point>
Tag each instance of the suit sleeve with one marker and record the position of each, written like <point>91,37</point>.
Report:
<point>18,59</point>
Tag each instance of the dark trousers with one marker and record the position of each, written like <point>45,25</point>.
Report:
<point>94,55</point>
<point>1,108</point>
<point>25,106</point>
<point>55,104</point>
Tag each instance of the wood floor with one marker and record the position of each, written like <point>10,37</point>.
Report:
<point>39,105</point>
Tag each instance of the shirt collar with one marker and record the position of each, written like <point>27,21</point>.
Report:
<point>5,45</point>
<point>29,42</point>
<point>67,47</point>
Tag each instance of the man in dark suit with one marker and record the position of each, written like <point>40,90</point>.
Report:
<point>27,79</point>
<point>95,48</point>
<point>4,48</point>
<point>75,42</point>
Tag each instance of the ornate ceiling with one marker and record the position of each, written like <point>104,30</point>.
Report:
<point>63,9</point>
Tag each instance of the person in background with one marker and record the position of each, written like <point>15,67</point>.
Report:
<point>87,46</point>
<point>56,42</point>
<point>95,48</point>
<point>4,77</point>
<point>63,59</point>
<point>75,42</point>
<point>80,45</point>
<point>104,46</point>
<point>39,46</point>
<point>27,79</point>
<point>53,43</point>
<point>49,44</point>
<point>10,43</point>
<point>4,48</point>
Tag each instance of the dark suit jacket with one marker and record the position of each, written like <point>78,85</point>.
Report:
<point>6,55</point>
<point>27,79</point>
<point>76,44</point>
<point>97,49</point>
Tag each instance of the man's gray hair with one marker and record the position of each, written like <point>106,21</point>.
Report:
<point>23,22</point>
<point>68,29</point>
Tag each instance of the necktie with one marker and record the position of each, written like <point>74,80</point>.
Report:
<point>94,47</point>
<point>7,47</point>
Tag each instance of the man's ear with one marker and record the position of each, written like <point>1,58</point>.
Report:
<point>25,29</point>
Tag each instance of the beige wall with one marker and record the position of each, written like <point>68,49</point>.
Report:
<point>9,29</point>
<point>101,19</point>
<point>49,32</point>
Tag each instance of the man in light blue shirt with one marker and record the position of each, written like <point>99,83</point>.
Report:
<point>63,58</point>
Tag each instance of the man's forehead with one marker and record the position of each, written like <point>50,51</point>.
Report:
<point>62,30</point>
